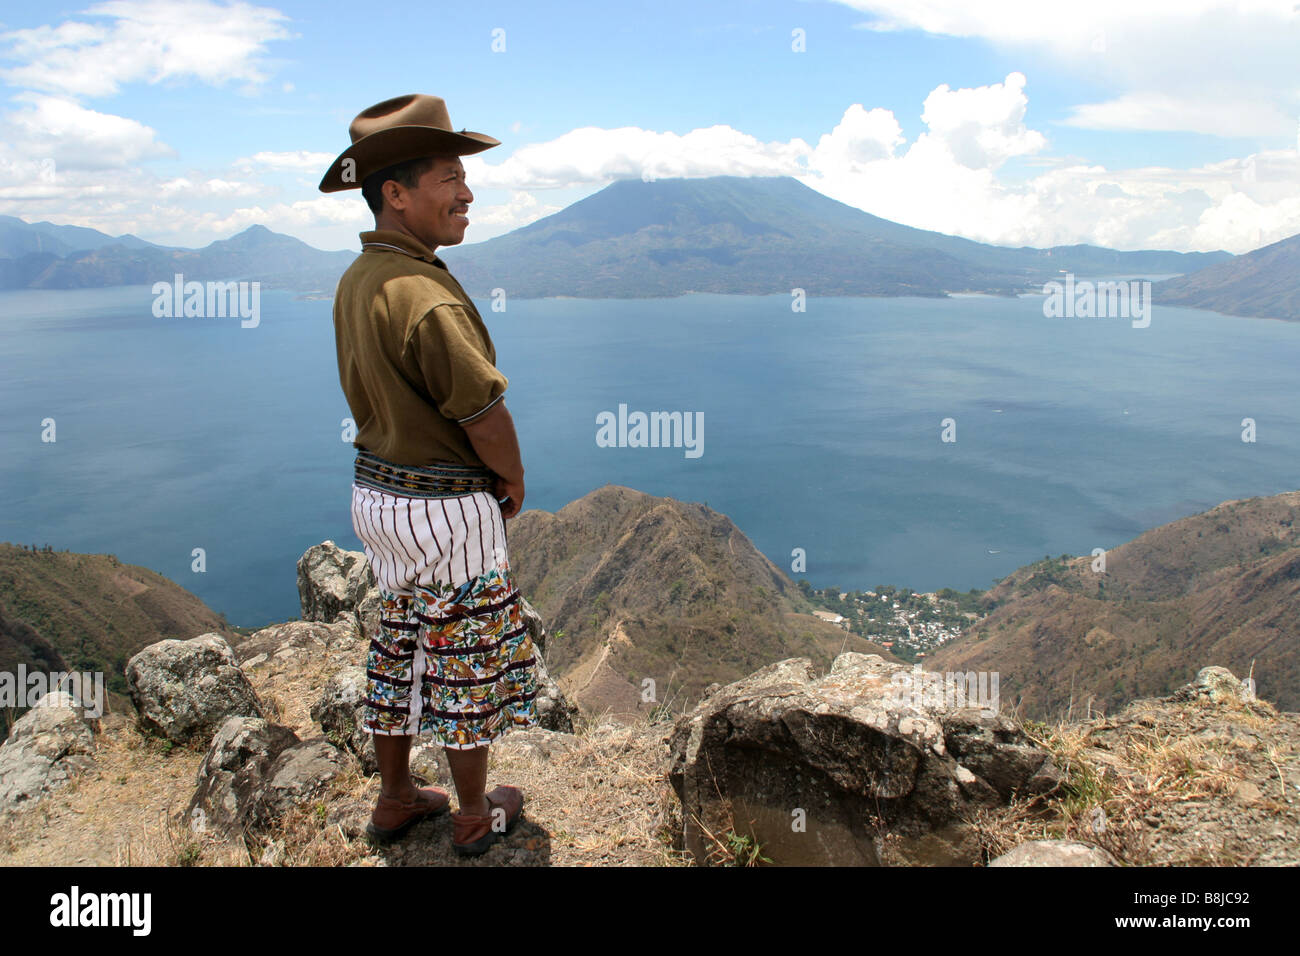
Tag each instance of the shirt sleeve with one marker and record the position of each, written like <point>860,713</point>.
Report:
<point>453,361</point>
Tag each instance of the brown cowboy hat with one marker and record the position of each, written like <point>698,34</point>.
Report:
<point>391,132</point>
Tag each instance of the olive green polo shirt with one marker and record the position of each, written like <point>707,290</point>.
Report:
<point>415,360</point>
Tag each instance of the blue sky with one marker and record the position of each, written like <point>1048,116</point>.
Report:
<point>1139,124</point>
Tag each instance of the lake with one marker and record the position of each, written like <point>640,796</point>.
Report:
<point>822,429</point>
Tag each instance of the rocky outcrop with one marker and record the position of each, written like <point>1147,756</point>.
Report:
<point>254,772</point>
<point>1055,853</point>
<point>1214,685</point>
<point>234,773</point>
<point>300,774</point>
<point>292,642</point>
<point>840,769</point>
<point>1209,775</point>
<point>332,581</point>
<point>184,690</point>
<point>341,715</point>
<point>47,747</point>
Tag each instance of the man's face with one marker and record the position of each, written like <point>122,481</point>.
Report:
<point>434,211</point>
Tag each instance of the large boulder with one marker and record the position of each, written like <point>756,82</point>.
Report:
<point>843,769</point>
<point>332,581</point>
<point>1214,685</point>
<point>295,642</point>
<point>184,690</point>
<point>299,775</point>
<point>254,772</point>
<point>46,747</point>
<point>340,711</point>
<point>1055,853</point>
<point>233,774</point>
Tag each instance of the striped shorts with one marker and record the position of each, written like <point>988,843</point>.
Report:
<point>451,657</point>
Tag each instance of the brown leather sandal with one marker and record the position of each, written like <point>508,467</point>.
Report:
<point>473,834</point>
<point>392,819</point>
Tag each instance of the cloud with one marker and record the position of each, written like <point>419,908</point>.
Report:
<point>143,40</point>
<point>982,127</point>
<point>1162,56</point>
<point>1169,113</point>
<point>521,209</point>
<point>283,217</point>
<point>976,170</point>
<point>56,152</point>
<point>295,161</point>
<point>182,187</point>
<point>948,181</point>
<point>861,136</point>
<point>593,155</point>
<point>951,178</point>
<point>75,137</point>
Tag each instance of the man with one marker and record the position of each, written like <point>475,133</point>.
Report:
<point>437,474</point>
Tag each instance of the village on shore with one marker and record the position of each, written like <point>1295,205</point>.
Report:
<point>908,624</point>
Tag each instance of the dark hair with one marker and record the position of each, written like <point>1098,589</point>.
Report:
<point>407,174</point>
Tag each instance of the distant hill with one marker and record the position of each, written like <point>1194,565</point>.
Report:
<point>41,256</point>
<point>761,235</point>
<point>1221,588</point>
<point>17,238</point>
<point>89,612</point>
<point>20,644</point>
<point>646,587</point>
<point>726,234</point>
<point>1263,284</point>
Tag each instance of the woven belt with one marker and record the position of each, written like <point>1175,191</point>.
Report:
<point>444,479</point>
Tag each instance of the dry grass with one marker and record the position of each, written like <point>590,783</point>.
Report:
<point>126,811</point>
<point>1117,785</point>
<point>312,835</point>
<point>602,802</point>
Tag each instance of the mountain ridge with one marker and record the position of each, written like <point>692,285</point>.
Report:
<point>726,234</point>
<point>650,588</point>
<point>644,587</point>
<point>1221,587</point>
<point>63,610</point>
<point>1264,283</point>
<point>256,254</point>
<point>761,235</point>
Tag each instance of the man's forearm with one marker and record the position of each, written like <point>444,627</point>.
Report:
<point>494,440</point>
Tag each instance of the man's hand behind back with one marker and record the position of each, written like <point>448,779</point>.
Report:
<point>494,440</point>
<point>512,490</point>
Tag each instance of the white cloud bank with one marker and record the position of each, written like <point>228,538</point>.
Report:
<point>74,137</point>
<point>126,41</point>
<point>60,156</point>
<point>977,169</point>
<point>1219,67</point>
<point>951,178</point>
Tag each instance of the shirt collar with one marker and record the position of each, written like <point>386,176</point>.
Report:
<point>390,240</point>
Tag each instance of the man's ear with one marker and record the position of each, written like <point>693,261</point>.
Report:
<point>394,193</point>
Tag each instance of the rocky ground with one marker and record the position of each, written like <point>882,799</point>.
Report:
<point>1204,777</point>
<point>593,798</point>
<point>251,756</point>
